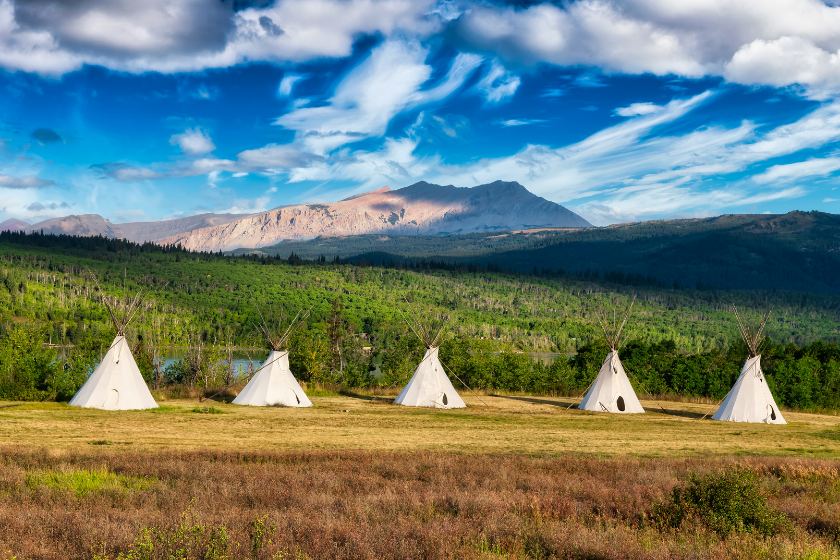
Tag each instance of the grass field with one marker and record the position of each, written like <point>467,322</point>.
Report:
<point>511,424</point>
<point>520,478</point>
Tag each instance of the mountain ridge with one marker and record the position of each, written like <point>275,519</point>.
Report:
<point>421,208</point>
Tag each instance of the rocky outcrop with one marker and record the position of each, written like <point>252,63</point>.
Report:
<point>422,208</point>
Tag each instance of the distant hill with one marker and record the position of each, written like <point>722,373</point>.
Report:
<point>794,251</point>
<point>13,224</point>
<point>93,224</point>
<point>422,208</point>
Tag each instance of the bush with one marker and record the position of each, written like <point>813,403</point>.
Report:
<point>725,502</point>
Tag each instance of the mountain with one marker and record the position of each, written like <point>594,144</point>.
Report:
<point>93,224</point>
<point>422,208</point>
<point>13,224</point>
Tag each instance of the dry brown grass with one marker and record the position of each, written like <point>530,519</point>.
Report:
<point>352,478</point>
<point>375,505</point>
<point>514,424</point>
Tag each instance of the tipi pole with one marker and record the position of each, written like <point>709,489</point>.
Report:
<point>465,385</point>
<point>730,391</point>
<point>582,394</point>
<point>642,385</point>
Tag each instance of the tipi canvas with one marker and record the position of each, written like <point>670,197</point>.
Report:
<point>273,384</point>
<point>611,391</point>
<point>429,386</point>
<point>117,383</point>
<point>750,399</point>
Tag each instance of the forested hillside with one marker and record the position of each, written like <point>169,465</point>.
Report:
<point>795,251</point>
<point>47,295</point>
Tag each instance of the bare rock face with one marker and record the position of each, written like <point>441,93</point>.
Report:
<point>422,208</point>
<point>93,224</point>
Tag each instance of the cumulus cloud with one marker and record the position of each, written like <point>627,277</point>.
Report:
<point>53,37</point>
<point>787,61</point>
<point>193,141</point>
<point>782,43</point>
<point>25,182</point>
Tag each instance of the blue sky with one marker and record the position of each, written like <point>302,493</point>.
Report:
<point>621,111</point>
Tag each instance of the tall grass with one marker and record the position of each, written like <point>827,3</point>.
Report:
<point>351,504</point>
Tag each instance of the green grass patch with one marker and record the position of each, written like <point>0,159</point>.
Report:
<point>208,410</point>
<point>318,392</point>
<point>164,409</point>
<point>83,482</point>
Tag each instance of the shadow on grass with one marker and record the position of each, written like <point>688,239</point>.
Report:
<point>564,404</point>
<point>535,400</point>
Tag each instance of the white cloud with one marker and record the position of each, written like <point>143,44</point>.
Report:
<point>24,182</point>
<point>830,200</point>
<point>781,43</point>
<point>778,43</point>
<point>787,61</point>
<point>799,170</point>
<point>193,142</point>
<point>520,122</point>
<point>636,174</point>
<point>497,84</point>
<point>636,109</point>
<point>388,82</point>
<point>286,84</point>
<point>53,37</point>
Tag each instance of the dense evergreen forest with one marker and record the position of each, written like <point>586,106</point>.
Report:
<point>795,251</point>
<point>681,340</point>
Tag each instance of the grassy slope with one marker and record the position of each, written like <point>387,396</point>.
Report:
<point>534,313</point>
<point>514,424</point>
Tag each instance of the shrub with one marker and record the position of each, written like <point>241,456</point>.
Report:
<point>725,502</point>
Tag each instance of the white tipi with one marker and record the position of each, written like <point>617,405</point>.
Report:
<point>611,391</point>
<point>117,383</point>
<point>750,399</point>
<point>429,386</point>
<point>273,383</point>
